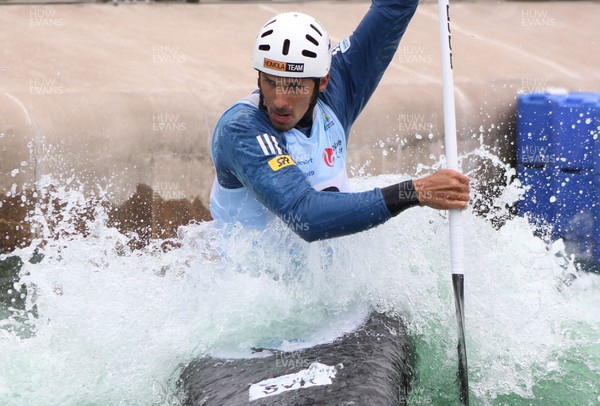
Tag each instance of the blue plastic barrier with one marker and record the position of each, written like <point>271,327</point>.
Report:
<point>596,210</point>
<point>537,204</point>
<point>535,128</point>
<point>558,202</point>
<point>573,194</point>
<point>558,158</point>
<point>574,124</point>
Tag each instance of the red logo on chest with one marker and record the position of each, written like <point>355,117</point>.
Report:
<point>328,156</point>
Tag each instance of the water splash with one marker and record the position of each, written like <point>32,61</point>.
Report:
<point>103,323</point>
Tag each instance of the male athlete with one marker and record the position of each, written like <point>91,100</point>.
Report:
<point>281,152</point>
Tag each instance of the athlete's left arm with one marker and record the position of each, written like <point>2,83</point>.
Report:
<point>359,61</point>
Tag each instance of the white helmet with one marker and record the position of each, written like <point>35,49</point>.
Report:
<point>293,45</point>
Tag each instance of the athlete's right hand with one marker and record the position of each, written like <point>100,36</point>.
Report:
<point>445,189</point>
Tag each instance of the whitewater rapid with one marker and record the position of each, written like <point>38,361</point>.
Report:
<point>105,324</point>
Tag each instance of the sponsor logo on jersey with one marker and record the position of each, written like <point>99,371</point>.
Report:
<point>328,156</point>
<point>345,45</point>
<point>328,122</point>
<point>331,153</point>
<point>303,162</point>
<point>281,161</point>
<point>268,144</point>
<point>342,46</point>
<point>283,66</point>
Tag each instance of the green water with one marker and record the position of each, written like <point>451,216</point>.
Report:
<point>435,382</point>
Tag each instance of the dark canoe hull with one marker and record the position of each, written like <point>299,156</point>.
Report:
<point>377,370</point>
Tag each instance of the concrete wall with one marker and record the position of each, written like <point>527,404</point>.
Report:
<point>124,97</point>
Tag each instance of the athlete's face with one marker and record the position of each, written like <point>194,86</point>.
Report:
<point>287,99</point>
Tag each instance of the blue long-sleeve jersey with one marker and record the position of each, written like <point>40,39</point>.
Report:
<point>262,172</point>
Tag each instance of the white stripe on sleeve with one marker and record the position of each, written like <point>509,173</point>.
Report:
<point>276,145</point>
<point>262,144</point>
<point>268,141</point>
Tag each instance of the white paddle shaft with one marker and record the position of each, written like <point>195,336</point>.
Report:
<point>456,228</point>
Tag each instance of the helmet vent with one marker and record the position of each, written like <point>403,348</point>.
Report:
<point>286,47</point>
<point>266,33</point>
<point>264,47</point>
<point>309,54</point>
<point>311,39</point>
<point>316,29</point>
<point>270,22</point>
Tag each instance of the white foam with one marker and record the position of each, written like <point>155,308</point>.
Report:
<point>113,323</point>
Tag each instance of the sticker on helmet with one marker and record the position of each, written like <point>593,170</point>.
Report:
<point>283,66</point>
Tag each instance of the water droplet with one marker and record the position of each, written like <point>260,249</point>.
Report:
<point>588,120</point>
<point>14,172</point>
<point>24,163</point>
<point>418,136</point>
<point>552,199</point>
